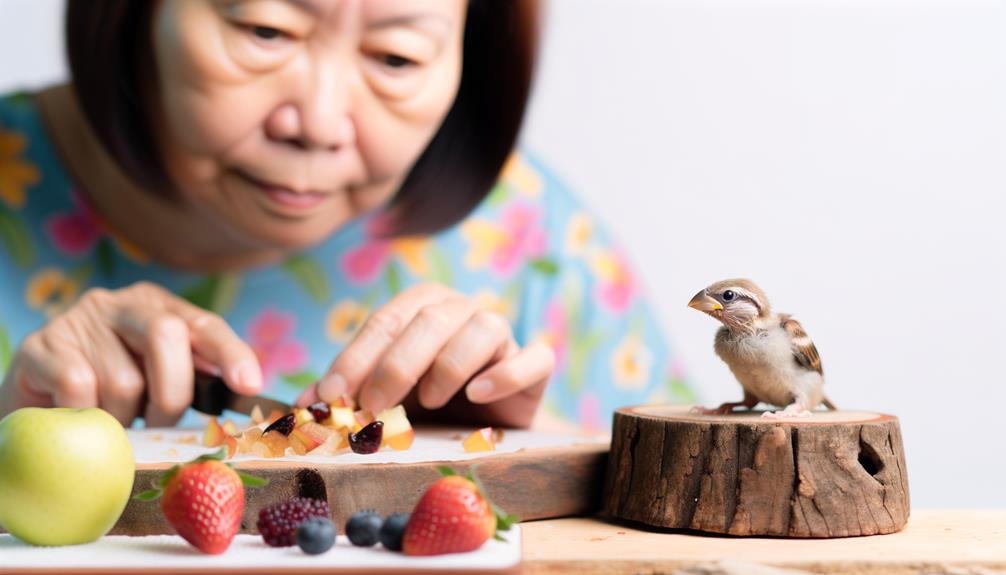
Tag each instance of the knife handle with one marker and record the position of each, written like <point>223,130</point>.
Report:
<point>210,395</point>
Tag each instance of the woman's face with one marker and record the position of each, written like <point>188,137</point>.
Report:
<point>283,119</point>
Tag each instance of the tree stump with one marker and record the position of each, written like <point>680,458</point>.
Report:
<point>834,474</point>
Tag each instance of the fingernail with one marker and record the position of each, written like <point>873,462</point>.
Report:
<point>373,399</point>
<point>247,377</point>
<point>205,366</point>
<point>479,389</point>
<point>331,387</point>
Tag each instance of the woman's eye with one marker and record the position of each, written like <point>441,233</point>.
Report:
<point>265,32</point>
<point>395,61</point>
<point>728,295</point>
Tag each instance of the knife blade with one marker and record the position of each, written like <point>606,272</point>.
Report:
<point>212,396</point>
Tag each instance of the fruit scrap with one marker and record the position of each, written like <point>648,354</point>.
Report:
<point>203,500</point>
<point>453,516</point>
<point>214,435</point>
<point>278,523</point>
<point>480,440</point>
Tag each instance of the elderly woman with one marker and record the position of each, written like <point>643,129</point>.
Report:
<point>309,198</point>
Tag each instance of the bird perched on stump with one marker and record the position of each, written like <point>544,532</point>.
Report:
<point>769,353</point>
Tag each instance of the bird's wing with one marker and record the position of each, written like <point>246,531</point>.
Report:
<point>803,348</point>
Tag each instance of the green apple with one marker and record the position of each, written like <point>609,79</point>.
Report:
<point>65,474</point>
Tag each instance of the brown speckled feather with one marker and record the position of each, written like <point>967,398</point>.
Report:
<point>804,350</point>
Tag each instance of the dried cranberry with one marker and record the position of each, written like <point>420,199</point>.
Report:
<point>320,410</point>
<point>368,439</point>
<point>282,425</point>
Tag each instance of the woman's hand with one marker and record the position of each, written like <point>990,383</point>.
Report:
<point>130,352</point>
<point>438,341</point>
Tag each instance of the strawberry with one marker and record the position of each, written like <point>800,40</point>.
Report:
<point>453,516</point>
<point>203,500</point>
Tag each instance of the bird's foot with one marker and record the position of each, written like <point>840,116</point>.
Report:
<point>793,410</point>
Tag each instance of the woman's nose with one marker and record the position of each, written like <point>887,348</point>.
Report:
<point>318,113</point>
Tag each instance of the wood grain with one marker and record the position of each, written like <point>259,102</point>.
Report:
<point>836,474</point>
<point>532,483</point>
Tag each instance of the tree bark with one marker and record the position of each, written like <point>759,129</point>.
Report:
<point>835,474</point>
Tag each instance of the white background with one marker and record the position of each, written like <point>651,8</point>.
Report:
<point>849,156</point>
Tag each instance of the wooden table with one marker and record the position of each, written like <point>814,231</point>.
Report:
<point>958,542</point>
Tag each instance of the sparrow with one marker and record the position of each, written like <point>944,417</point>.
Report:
<point>769,353</point>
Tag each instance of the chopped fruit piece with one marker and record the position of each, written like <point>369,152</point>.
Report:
<point>311,435</point>
<point>363,418</point>
<point>256,415</point>
<point>453,516</point>
<point>249,437</point>
<point>320,411</point>
<point>316,535</point>
<point>275,415</point>
<point>278,523</point>
<point>214,434</point>
<point>334,444</point>
<point>480,440</point>
<point>497,434</point>
<point>302,416</point>
<point>232,446</point>
<point>230,428</point>
<point>398,432</point>
<point>283,425</point>
<point>343,418</point>
<point>393,531</point>
<point>368,439</point>
<point>276,443</point>
<point>203,500</point>
<point>364,528</point>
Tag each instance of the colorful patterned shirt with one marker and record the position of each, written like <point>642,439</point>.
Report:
<point>529,251</point>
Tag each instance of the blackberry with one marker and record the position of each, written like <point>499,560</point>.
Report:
<point>364,528</point>
<point>393,530</point>
<point>368,439</point>
<point>278,523</point>
<point>316,535</point>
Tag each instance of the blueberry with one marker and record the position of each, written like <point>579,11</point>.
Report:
<point>393,530</point>
<point>316,535</point>
<point>364,528</point>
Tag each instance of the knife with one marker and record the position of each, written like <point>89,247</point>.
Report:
<point>212,396</point>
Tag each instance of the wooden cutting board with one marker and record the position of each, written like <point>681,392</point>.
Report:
<point>533,474</point>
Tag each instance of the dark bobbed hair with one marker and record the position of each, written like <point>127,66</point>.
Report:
<point>111,63</point>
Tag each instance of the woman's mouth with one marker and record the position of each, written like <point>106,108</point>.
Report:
<point>283,199</point>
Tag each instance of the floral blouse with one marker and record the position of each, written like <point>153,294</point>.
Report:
<point>530,251</point>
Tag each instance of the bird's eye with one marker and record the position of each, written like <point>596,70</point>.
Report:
<point>728,295</point>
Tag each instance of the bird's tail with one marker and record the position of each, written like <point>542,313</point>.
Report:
<point>827,403</point>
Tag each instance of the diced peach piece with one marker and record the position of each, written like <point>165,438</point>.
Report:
<point>256,415</point>
<point>261,450</point>
<point>335,443</point>
<point>398,432</point>
<point>232,446</point>
<point>214,434</point>
<point>480,440</point>
<point>276,442</point>
<point>249,437</point>
<point>310,435</point>
<point>297,445</point>
<point>230,428</point>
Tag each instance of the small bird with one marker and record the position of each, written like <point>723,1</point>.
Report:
<point>769,353</point>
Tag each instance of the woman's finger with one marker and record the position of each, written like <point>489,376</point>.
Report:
<point>120,381</point>
<point>215,343</point>
<point>359,358</point>
<point>161,338</point>
<point>522,372</point>
<point>483,340</point>
<point>410,355</point>
<point>47,366</point>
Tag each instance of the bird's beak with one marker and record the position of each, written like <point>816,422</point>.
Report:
<point>703,302</point>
